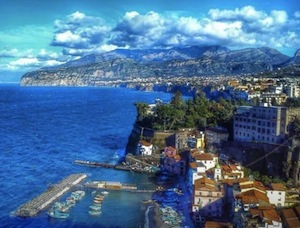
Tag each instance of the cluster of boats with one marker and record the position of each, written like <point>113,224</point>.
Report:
<point>61,210</point>
<point>95,208</point>
<point>170,216</point>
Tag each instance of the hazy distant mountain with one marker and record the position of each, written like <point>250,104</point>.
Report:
<point>185,62</point>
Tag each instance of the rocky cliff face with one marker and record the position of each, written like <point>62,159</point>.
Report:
<point>186,62</point>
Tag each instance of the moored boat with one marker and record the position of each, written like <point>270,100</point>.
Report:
<point>57,214</point>
<point>94,212</point>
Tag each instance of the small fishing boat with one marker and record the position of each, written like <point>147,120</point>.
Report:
<point>94,212</point>
<point>94,207</point>
<point>98,201</point>
<point>58,215</point>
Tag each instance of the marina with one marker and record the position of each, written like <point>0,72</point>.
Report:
<point>41,202</point>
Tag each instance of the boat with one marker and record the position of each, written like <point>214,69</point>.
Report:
<point>58,215</point>
<point>98,201</point>
<point>95,208</point>
<point>105,193</point>
<point>97,204</point>
<point>94,212</point>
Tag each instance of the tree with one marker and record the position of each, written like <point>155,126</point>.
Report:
<point>294,127</point>
<point>142,109</point>
<point>177,101</point>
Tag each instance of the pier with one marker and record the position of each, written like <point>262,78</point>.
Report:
<point>34,206</point>
<point>128,166</point>
<point>116,186</point>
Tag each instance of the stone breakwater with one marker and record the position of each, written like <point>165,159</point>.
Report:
<point>34,206</point>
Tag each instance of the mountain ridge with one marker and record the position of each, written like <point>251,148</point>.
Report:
<point>175,62</point>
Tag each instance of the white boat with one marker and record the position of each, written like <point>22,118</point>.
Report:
<point>94,212</point>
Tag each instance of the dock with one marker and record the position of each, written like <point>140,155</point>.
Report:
<point>124,167</point>
<point>117,186</point>
<point>34,206</point>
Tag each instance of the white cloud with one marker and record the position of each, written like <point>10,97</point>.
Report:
<point>25,62</point>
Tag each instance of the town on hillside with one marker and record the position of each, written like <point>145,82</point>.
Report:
<point>239,158</point>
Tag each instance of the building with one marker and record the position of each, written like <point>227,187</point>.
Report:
<point>216,135</point>
<point>293,90</point>
<point>273,98</point>
<point>276,194</point>
<point>265,124</point>
<point>172,161</point>
<point>291,217</point>
<point>189,138</point>
<point>208,160</point>
<point>262,217</point>
<point>145,148</point>
<point>208,198</point>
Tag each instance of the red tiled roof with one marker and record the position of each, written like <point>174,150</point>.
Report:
<point>278,187</point>
<point>205,183</point>
<point>145,143</point>
<point>253,196</point>
<point>193,165</point>
<point>211,224</point>
<point>203,157</point>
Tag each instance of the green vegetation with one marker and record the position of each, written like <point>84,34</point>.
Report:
<point>198,112</point>
<point>292,102</point>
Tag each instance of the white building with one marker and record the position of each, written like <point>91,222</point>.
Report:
<point>277,194</point>
<point>293,90</point>
<point>145,148</point>
<point>208,198</point>
<point>208,160</point>
<point>266,124</point>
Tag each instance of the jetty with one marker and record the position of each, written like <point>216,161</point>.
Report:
<point>34,206</point>
<point>114,185</point>
<point>126,166</point>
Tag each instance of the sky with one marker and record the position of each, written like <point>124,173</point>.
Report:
<point>40,33</point>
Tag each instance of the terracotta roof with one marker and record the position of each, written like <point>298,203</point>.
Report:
<point>278,187</point>
<point>290,217</point>
<point>193,165</point>
<point>289,213</point>
<point>211,224</point>
<point>203,157</point>
<point>271,214</point>
<point>245,179</point>
<point>255,184</point>
<point>253,196</point>
<point>145,143</point>
<point>205,183</point>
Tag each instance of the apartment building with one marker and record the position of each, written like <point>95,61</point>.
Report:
<point>265,124</point>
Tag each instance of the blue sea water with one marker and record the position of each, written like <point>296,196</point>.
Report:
<point>44,129</point>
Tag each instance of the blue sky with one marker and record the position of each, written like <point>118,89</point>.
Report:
<point>39,33</point>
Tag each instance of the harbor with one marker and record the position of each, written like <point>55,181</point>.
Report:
<point>41,202</point>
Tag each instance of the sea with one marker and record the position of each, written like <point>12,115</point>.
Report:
<point>44,129</point>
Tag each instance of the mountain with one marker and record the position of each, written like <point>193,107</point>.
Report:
<point>292,61</point>
<point>151,55</point>
<point>185,62</point>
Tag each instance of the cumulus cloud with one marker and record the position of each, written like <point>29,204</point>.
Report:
<point>14,52</point>
<point>80,32</point>
<point>241,27</point>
